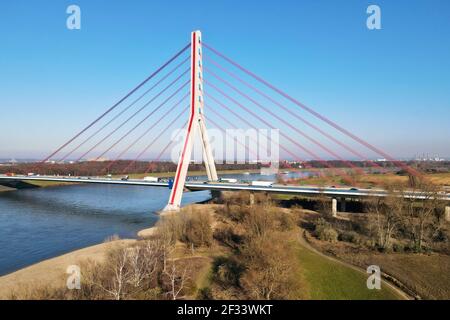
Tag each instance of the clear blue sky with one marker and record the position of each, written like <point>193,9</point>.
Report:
<point>389,86</point>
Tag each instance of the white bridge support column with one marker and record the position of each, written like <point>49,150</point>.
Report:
<point>195,122</point>
<point>334,207</point>
<point>447,213</point>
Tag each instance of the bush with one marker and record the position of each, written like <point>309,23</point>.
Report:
<point>259,221</point>
<point>191,226</point>
<point>287,221</point>
<point>350,236</point>
<point>398,247</point>
<point>227,271</point>
<point>228,237</point>
<point>321,222</point>
<point>205,294</point>
<point>324,231</point>
<point>196,228</point>
<point>270,267</point>
<point>327,234</point>
<point>233,212</point>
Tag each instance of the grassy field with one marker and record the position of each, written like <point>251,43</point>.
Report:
<point>321,278</point>
<point>425,274</point>
<point>329,280</point>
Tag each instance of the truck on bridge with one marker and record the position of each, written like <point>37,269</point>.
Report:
<point>261,183</point>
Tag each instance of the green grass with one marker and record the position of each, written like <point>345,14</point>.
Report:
<point>329,280</point>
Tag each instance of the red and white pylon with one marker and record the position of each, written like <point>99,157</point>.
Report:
<point>195,122</point>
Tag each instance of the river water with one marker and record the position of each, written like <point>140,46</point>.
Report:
<point>37,224</point>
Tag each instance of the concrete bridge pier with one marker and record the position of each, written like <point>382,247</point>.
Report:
<point>252,198</point>
<point>334,207</point>
<point>447,213</point>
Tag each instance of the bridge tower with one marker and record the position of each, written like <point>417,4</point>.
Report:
<point>195,123</point>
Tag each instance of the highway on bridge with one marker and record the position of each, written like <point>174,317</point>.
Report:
<point>219,186</point>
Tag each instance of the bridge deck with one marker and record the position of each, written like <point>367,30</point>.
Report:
<point>197,186</point>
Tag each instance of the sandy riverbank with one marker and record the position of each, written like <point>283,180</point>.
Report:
<point>3,188</point>
<point>53,271</point>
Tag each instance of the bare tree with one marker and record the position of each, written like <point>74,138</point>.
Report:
<point>137,266</point>
<point>269,267</point>
<point>421,213</point>
<point>323,204</point>
<point>120,274</point>
<point>412,212</point>
<point>385,214</point>
<point>175,278</point>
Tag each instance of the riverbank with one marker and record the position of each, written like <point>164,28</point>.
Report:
<point>3,188</point>
<point>38,184</point>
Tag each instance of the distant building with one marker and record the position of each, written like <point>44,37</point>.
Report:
<point>99,159</point>
<point>426,157</point>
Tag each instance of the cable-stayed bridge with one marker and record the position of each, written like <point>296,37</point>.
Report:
<point>197,86</point>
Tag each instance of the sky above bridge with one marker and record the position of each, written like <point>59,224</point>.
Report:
<point>389,86</point>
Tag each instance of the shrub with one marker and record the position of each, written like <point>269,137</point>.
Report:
<point>350,236</point>
<point>191,226</point>
<point>205,294</point>
<point>270,267</point>
<point>227,236</point>
<point>324,231</point>
<point>398,247</point>
<point>327,234</point>
<point>196,228</point>
<point>233,212</point>
<point>321,222</point>
<point>287,221</point>
<point>227,271</point>
<point>259,221</point>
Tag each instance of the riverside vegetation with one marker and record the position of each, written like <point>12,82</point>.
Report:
<point>247,246</point>
<point>408,239</point>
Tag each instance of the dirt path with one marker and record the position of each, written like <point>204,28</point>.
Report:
<point>305,244</point>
